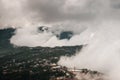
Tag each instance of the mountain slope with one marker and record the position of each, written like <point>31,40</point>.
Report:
<point>5,35</point>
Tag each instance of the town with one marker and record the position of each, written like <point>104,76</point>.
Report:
<point>38,63</point>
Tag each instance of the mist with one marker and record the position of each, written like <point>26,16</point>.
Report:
<point>91,22</point>
<point>102,52</point>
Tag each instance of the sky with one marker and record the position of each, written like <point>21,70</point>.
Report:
<point>19,13</point>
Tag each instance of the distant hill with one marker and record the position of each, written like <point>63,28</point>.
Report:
<point>31,63</point>
<point>62,35</point>
<point>5,35</point>
<point>6,47</point>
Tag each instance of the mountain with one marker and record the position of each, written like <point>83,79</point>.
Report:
<point>37,63</point>
<point>31,63</point>
<point>60,36</point>
<point>65,35</point>
<point>5,35</point>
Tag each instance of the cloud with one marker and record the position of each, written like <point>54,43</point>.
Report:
<point>12,13</point>
<point>19,13</point>
<point>102,51</point>
<point>72,10</point>
<point>34,36</point>
<point>60,11</point>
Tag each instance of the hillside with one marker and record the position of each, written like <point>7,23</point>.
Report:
<point>20,61</point>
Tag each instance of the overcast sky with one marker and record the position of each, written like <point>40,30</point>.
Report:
<point>22,12</point>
